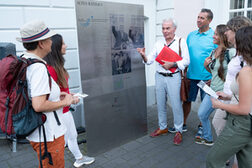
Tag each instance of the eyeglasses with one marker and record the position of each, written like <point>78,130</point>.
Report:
<point>212,64</point>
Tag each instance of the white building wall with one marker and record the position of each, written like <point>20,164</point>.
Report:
<point>186,15</point>
<point>58,15</point>
<point>220,10</point>
<point>165,10</point>
<point>186,12</point>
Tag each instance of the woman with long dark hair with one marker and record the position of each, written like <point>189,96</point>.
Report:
<point>55,65</point>
<point>236,137</point>
<point>216,64</point>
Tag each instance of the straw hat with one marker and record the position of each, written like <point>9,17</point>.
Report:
<point>35,30</point>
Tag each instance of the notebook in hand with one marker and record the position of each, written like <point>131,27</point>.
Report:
<point>168,54</point>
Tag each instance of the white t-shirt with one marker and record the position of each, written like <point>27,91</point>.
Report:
<point>234,67</point>
<point>38,84</point>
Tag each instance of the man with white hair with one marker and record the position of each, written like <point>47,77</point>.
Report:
<point>168,81</point>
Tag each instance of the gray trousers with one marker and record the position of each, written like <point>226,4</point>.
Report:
<point>169,87</point>
<point>234,139</point>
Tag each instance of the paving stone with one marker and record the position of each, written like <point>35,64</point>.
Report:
<point>69,164</point>
<point>110,164</point>
<point>29,164</point>
<point>150,162</point>
<point>131,145</point>
<point>93,166</point>
<point>119,161</point>
<point>192,164</point>
<point>134,161</point>
<point>196,148</point>
<point>200,157</point>
<point>154,152</point>
<point>129,155</point>
<point>148,147</point>
<point>203,166</point>
<point>116,152</point>
<point>3,164</point>
<point>5,157</point>
<point>100,160</point>
<point>164,155</point>
<point>144,139</point>
<point>124,165</point>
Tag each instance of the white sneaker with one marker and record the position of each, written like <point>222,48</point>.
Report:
<point>84,160</point>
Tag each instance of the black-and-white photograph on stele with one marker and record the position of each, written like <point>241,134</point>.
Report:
<point>127,34</point>
<point>123,37</point>
<point>121,62</point>
<point>136,31</point>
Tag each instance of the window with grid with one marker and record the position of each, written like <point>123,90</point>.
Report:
<point>240,8</point>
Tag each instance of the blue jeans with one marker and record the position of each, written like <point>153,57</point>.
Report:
<point>204,112</point>
<point>169,87</point>
<point>193,92</point>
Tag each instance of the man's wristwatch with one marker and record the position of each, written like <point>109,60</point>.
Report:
<point>175,64</point>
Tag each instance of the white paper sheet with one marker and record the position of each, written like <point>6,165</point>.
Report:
<point>207,89</point>
<point>80,95</point>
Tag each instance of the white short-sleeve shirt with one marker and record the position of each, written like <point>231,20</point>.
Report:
<point>234,67</point>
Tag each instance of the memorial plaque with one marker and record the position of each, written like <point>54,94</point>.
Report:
<point>112,72</point>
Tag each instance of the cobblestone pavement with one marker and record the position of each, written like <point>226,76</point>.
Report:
<point>144,152</point>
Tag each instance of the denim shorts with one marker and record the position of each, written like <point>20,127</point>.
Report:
<point>193,92</point>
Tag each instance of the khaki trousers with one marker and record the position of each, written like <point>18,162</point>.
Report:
<point>234,139</point>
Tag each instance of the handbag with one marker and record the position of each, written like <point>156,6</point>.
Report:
<point>185,82</point>
<point>185,86</point>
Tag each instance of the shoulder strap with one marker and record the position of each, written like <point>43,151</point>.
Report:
<point>212,53</point>
<point>170,43</point>
<point>46,154</point>
<point>183,74</point>
<point>32,61</point>
<point>227,57</point>
<point>236,98</point>
<point>242,64</point>
<point>179,47</point>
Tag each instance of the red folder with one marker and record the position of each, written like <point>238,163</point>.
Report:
<point>168,54</point>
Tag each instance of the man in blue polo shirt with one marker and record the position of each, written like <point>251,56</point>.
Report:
<point>200,44</point>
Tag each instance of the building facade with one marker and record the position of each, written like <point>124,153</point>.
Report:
<point>60,16</point>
